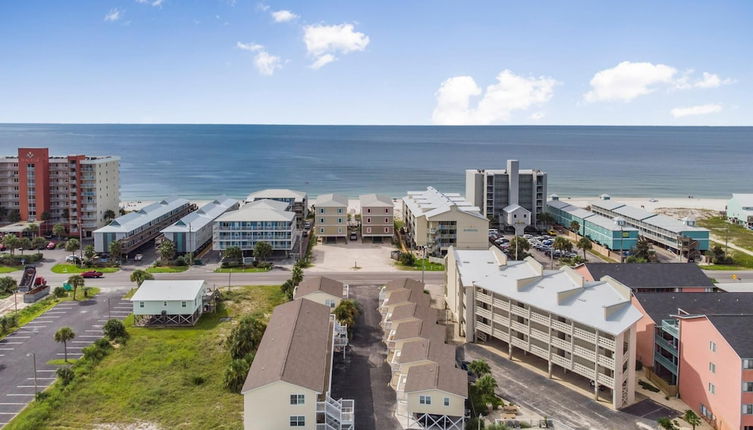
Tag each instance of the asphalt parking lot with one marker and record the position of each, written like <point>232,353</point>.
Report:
<point>651,410</point>
<point>85,318</point>
<point>364,374</point>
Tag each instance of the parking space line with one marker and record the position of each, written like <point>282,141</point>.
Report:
<point>12,404</point>
<point>71,353</point>
<point>7,349</point>
<point>44,378</point>
<point>89,336</point>
<point>81,341</point>
<point>11,343</point>
<point>46,370</point>
<point>18,337</point>
<point>95,331</point>
<point>19,395</point>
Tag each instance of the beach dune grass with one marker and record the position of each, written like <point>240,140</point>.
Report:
<point>722,229</point>
<point>153,378</point>
<point>73,269</point>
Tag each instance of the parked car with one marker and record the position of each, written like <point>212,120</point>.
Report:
<point>75,259</point>
<point>552,232</point>
<point>52,244</point>
<point>92,274</point>
<point>354,236</point>
<point>138,257</point>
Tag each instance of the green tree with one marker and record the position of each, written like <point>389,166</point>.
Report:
<point>347,312</point>
<point>575,226</point>
<point>667,424</point>
<point>24,243</point>
<point>519,247</point>
<point>296,276</point>
<point>89,252</point>
<point>479,367</point>
<point>66,375</point>
<point>7,285</point>
<point>233,253</point>
<point>584,244</point>
<point>109,215</point>
<point>72,245</point>
<point>546,219</point>
<point>76,281</point>
<point>245,337</point>
<point>32,229</point>
<point>64,335</point>
<point>561,244</point>
<point>10,241</point>
<point>407,259</point>
<point>139,276</point>
<point>262,250</point>
<point>58,230</point>
<point>116,250</point>
<point>692,418</point>
<point>643,251</point>
<point>485,386</point>
<point>166,252</point>
<point>288,288</point>
<point>114,329</point>
<point>38,242</point>
<point>14,215</point>
<point>236,372</point>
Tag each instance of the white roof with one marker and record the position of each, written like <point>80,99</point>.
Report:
<point>671,224</point>
<point>607,204</point>
<point>154,291</point>
<point>557,204</point>
<point>145,215</point>
<point>578,212</point>
<point>259,210</point>
<point>633,212</point>
<point>202,217</point>
<point>609,223</point>
<point>277,193</point>
<point>331,200</point>
<point>604,305</point>
<point>375,200</point>
<point>743,199</point>
<point>432,202</point>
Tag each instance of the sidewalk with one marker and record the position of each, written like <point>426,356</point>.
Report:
<point>7,305</point>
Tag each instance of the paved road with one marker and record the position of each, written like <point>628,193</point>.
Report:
<point>548,398</point>
<point>364,375</point>
<point>723,276</point>
<point>16,368</point>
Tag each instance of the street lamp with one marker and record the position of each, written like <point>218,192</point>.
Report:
<point>34,361</point>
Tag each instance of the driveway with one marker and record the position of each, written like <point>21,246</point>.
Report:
<point>364,374</point>
<point>85,317</point>
<point>341,256</point>
<point>548,398</point>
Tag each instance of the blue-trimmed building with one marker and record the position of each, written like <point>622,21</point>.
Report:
<point>611,233</point>
<point>740,209</point>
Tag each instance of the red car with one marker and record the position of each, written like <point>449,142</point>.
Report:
<point>52,244</point>
<point>92,274</point>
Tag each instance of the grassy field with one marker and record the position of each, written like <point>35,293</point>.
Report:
<point>74,269</point>
<point>737,234</point>
<point>29,313</point>
<point>167,269</point>
<point>742,261</point>
<point>429,266</point>
<point>240,270</point>
<point>152,379</point>
<point>8,269</point>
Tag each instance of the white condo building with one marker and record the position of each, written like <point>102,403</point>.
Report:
<point>193,231</point>
<point>588,328</point>
<point>268,221</point>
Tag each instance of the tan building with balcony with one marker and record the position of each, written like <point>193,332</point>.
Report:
<point>331,216</point>
<point>584,327</point>
<point>377,217</point>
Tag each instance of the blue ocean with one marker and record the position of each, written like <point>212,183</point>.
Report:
<point>203,161</point>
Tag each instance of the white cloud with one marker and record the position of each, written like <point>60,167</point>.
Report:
<point>324,41</point>
<point>681,112</point>
<point>283,16</point>
<point>266,63</point>
<point>628,80</point>
<point>511,92</point>
<point>711,80</point>
<point>114,15</point>
<point>154,3</point>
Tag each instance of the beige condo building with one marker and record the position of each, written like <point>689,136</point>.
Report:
<point>331,216</point>
<point>377,217</point>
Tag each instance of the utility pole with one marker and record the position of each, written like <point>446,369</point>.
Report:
<point>34,361</point>
<point>189,245</point>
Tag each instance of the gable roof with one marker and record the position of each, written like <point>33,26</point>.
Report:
<point>434,376</point>
<point>425,349</point>
<point>331,201</point>
<point>319,283</point>
<point>736,331</point>
<point>259,210</point>
<point>419,328</point>
<point>421,310</point>
<point>145,215</point>
<point>205,215</point>
<point>375,200</point>
<point>432,202</point>
<point>652,275</point>
<point>660,306</point>
<point>164,290</point>
<point>401,283</point>
<point>294,348</point>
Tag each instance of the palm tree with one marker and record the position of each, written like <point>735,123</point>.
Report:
<point>32,228</point>
<point>347,312</point>
<point>547,219</point>
<point>24,243</point>
<point>296,275</point>
<point>38,242</point>
<point>562,244</point>
<point>585,244</point>
<point>518,247</point>
<point>11,242</point>
<point>76,281</point>
<point>72,245</point>
<point>109,215</point>
<point>64,335</point>
<point>691,418</point>
<point>116,250</point>
<point>58,230</point>
<point>139,276</point>
<point>575,227</point>
<point>479,367</point>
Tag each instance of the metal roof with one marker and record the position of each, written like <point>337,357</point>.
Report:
<point>609,223</point>
<point>375,200</point>
<point>145,215</point>
<point>609,205</point>
<point>331,201</point>
<point>653,275</point>
<point>259,210</point>
<point>633,212</point>
<point>557,204</point>
<point>277,193</point>
<point>671,224</point>
<point>431,202</point>
<point>577,212</point>
<point>172,290</point>
<point>202,217</point>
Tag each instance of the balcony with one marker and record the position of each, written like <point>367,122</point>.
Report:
<point>666,363</point>
<point>585,335</point>
<point>606,361</point>
<point>606,343</point>
<point>483,327</point>
<point>606,380</point>
<point>521,328</point>
<point>520,343</point>
<point>670,326</point>
<point>583,370</point>
<point>667,345</point>
<point>541,319</point>
<point>561,344</point>
<point>561,361</point>
<point>540,335</point>
<point>585,353</point>
<point>517,310</point>
<point>541,352</point>
<point>481,297</point>
<point>564,328</point>
<point>485,313</point>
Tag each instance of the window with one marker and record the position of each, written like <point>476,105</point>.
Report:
<point>339,220</point>
<point>706,412</point>
<point>387,210</point>
<point>164,304</point>
<point>368,210</point>
<point>297,421</point>
<point>321,230</point>
<point>141,304</point>
<point>748,409</point>
<point>712,346</point>
<point>386,220</point>
<point>712,367</point>
<point>330,303</point>
<point>424,400</point>
<point>296,399</point>
<point>368,219</point>
<point>386,229</point>
<point>748,387</point>
<point>748,363</point>
<point>183,304</point>
<point>712,388</point>
<point>321,211</point>
<point>446,401</point>
<point>339,210</point>
<point>321,220</point>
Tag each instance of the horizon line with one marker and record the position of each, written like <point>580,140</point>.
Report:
<point>366,125</point>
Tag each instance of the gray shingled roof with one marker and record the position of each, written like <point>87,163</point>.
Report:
<point>294,348</point>
<point>736,330</point>
<point>375,200</point>
<point>660,306</point>
<point>440,377</point>
<point>319,283</point>
<point>652,275</point>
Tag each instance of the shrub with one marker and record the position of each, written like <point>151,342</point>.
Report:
<point>198,380</point>
<point>407,259</point>
<point>66,375</point>
<point>235,374</point>
<point>114,329</point>
<point>59,292</point>
<point>181,261</point>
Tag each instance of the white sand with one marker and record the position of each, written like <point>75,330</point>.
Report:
<point>700,204</point>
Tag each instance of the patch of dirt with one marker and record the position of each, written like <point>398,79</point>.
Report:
<point>130,426</point>
<point>680,213</point>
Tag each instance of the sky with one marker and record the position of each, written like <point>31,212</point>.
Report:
<point>377,62</point>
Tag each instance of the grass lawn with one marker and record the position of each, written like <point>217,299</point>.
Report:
<point>152,378</point>
<point>29,313</point>
<point>429,266</point>
<point>8,269</point>
<point>61,362</point>
<point>167,269</point>
<point>737,234</point>
<point>742,261</point>
<point>241,270</point>
<point>73,269</point>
